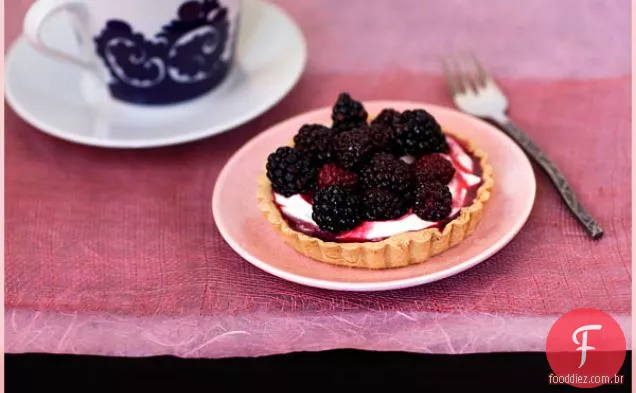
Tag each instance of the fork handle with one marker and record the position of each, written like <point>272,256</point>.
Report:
<point>555,175</point>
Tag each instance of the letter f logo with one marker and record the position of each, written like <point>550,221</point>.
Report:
<point>583,344</point>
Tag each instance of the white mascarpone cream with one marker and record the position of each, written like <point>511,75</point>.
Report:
<point>299,209</point>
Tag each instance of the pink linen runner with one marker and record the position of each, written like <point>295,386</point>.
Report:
<point>125,240</point>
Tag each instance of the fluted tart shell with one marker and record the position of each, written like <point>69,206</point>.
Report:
<point>397,251</point>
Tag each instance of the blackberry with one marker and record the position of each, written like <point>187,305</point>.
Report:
<point>336,209</point>
<point>332,174</point>
<point>418,133</point>
<point>348,113</point>
<point>383,128</point>
<point>409,196</point>
<point>387,172</point>
<point>388,117</point>
<point>314,140</point>
<point>290,171</point>
<point>433,167</point>
<point>381,136</point>
<point>381,204</point>
<point>352,148</point>
<point>433,201</point>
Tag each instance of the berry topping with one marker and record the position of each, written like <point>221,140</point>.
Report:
<point>353,148</point>
<point>380,135</point>
<point>348,113</point>
<point>433,201</point>
<point>332,174</point>
<point>388,118</point>
<point>418,133</point>
<point>433,167</point>
<point>383,131</point>
<point>290,171</point>
<point>383,138</point>
<point>336,209</point>
<point>387,172</point>
<point>314,140</point>
<point>381,204</point>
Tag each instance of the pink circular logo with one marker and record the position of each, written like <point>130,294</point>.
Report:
<point>586,348</point>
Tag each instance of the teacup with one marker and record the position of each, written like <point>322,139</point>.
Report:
<point>148,52</point>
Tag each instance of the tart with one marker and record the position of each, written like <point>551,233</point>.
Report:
<point>375,192</point>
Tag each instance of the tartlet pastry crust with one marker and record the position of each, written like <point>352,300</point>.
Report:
<point>396,251</point>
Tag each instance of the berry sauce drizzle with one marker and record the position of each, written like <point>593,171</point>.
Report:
<point>464,193</point>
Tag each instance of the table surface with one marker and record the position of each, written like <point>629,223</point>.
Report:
<point>116,253</point>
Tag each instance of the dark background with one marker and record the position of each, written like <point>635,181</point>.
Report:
<point>333,370</point>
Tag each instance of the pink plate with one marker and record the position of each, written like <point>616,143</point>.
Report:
<point>242,225</point>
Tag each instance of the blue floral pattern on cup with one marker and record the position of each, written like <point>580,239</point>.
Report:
<point>183,61</point>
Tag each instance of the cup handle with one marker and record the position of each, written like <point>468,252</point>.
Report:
<point>37,15</point>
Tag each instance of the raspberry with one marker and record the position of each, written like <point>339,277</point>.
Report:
<point>381,204</point>
<point>290,171</point>
<point>348,113</point>
<point>332,174</point>
<point>418,133</point>
<point>336,209</point>
<point>387,172</point>
<point>314,140</point>
<point>352,148</point>
<point>433,167</point>
<point>433,201</point>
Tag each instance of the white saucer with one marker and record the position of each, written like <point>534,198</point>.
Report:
<point>62,100</point>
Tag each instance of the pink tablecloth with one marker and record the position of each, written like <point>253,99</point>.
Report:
<point>116,252</point>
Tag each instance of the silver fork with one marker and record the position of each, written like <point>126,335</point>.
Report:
<point>475,92</point>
